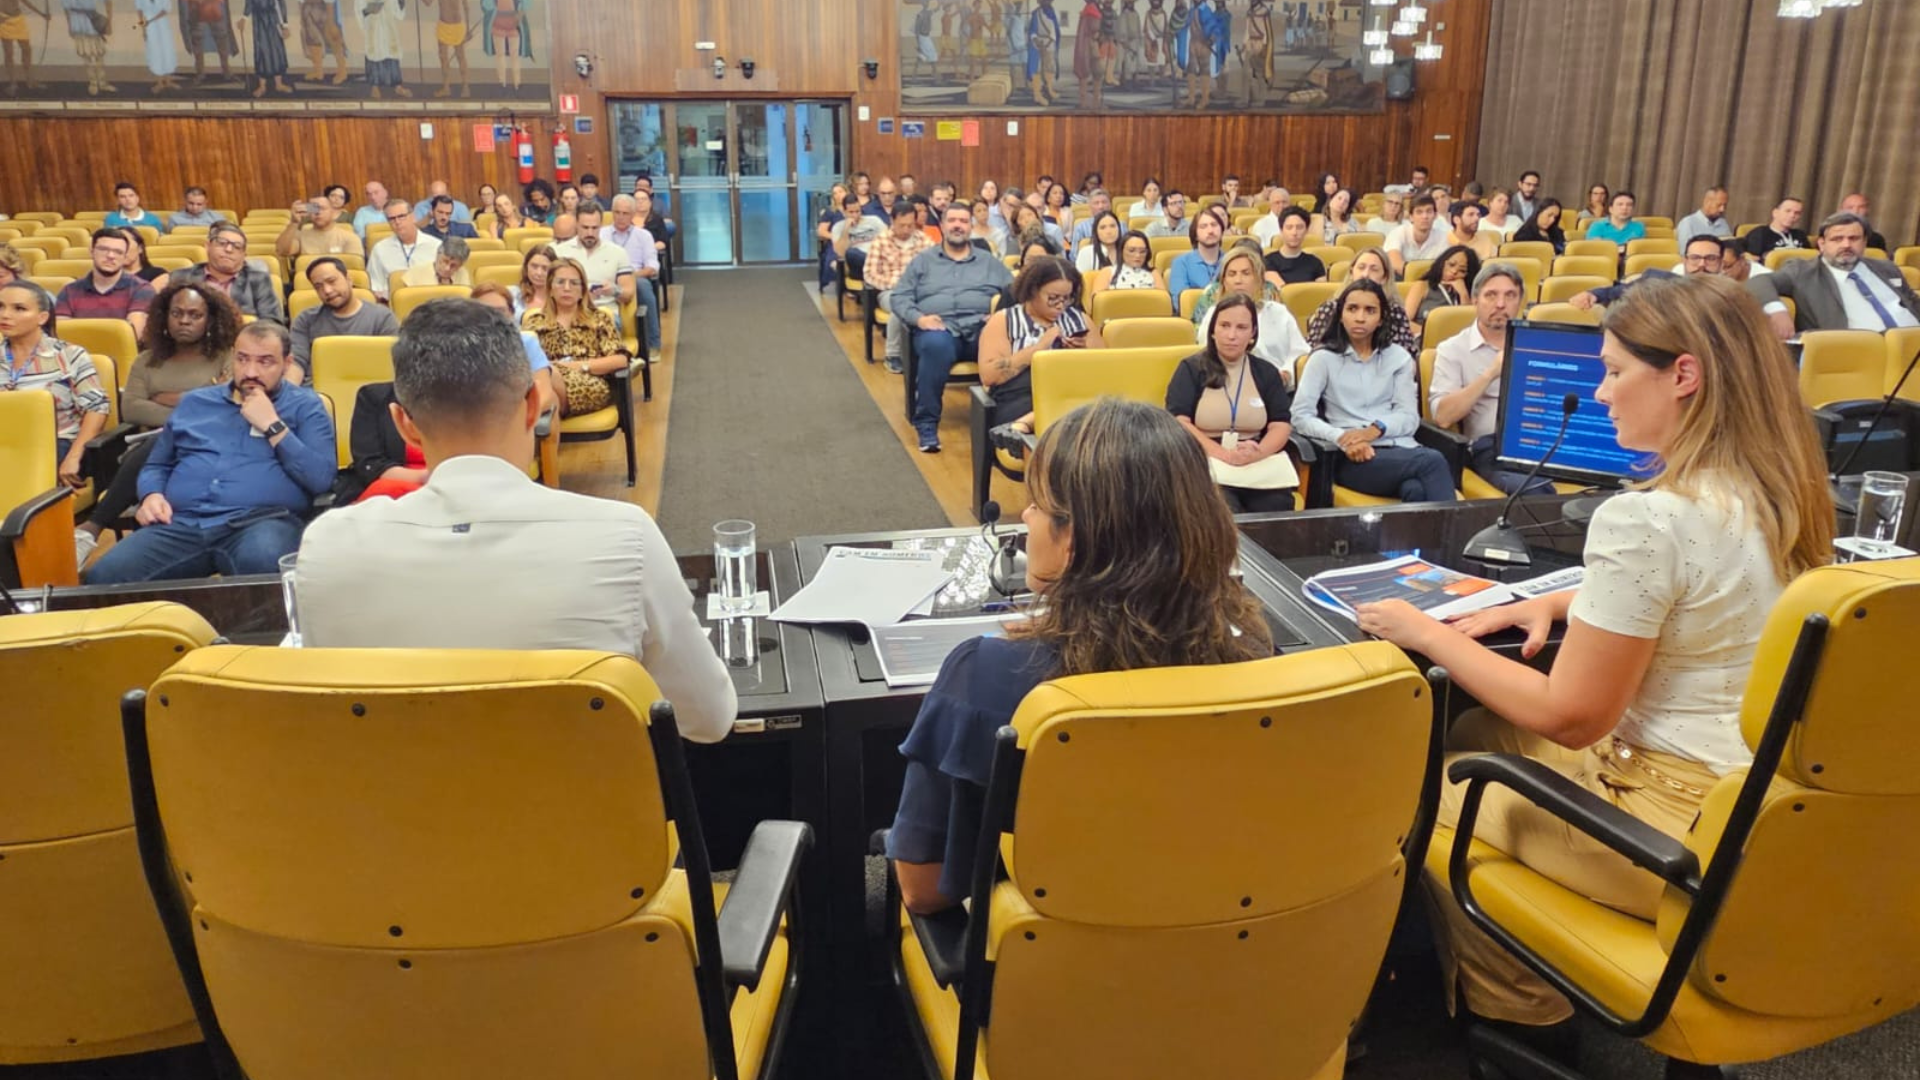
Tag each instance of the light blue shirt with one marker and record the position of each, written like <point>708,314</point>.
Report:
<point>423,210</point>
<point>365,216</point>
<point>1190,271</point>
<point>1340,392</point>
<point>536,356</point>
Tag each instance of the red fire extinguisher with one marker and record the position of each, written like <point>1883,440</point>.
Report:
<point>562,157</point>
<point>523,154</point>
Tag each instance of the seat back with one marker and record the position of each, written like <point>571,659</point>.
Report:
<point>500,275</point>
<point>1065,379</point>
<point>1143,938</point>
<point>1528,249</point>
<point>1415,270</point>
<point>1168,331</point>
<point>1907,255</point>
<point>1305,298</point>
<point>1645,261</point>
<point>102,337</point>
<point>1174,244</point>
<point>480,260</point>
<point>1841,365</point>
<point>1563,313</point>
<point>1598,249</point>
<point>88,970</point>
<point>29,464</point>
<point>1819,918</point>
<point>1779,257</point>
<point>64,267</point>
<point>1600,266</point>
<point>1901,345</point>
<point>342,364</point>
<point>1189,302</point>
<point>1129,304</point>
<point>408,297</point>
<point>1654,246</point>
<point>1357,242</point>
<point>455,863</point>
<point>1442,323</point>
<point>1563,287</point>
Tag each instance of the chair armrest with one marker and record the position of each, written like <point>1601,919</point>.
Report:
<point>36,541</point>
<point>1011,439</point>
<point>101,459</point>
<point>760,895</point>
<point>544,424</point>
<point>1826,424</point>
<point>1646,846</point>
<point>943,938</point>
<point>1451,444</point>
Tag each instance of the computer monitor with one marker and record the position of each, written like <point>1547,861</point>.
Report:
<point>1545,362</point>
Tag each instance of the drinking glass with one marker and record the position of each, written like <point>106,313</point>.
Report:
<point>739,641</point>
<point>733,565</point>
<point>1883,495</point>
<point>290,592</point>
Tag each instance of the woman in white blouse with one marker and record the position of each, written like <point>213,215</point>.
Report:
<point>1279,341</point>
<point>1134,270</point>
<point>1641,706</point>
<point>1499,216</point>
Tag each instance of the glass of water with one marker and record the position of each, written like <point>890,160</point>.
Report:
<point>290,592</point>
<point>733,565</point>
<point>1883,496</point>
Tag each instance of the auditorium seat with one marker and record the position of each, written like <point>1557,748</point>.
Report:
<point>1645,261</point>
<point>1842,365</point>
<point>1596,248</point>
<point>1140,942</point>
<point>1563,313</point>
<point>1174,244</point>
<point>376,868</point>
<point>1415,270</point>
<point>1361,241</point>
<point>1907,256</point>
<point>104,337</point>
<point>617,419</point>
<point>1652,246</point>
<point>63,266</point>
<point>1189,302</point>
<point>849,286</point>
<point>1444,322</point>
<point>1305,298</point>
<point>193,251</point>
<point>480,260</point>
<point>1600,266</point>
<point>89,973</point>
<point>1129,304</point>
<point>1328,254</point>
<point>1779,257</point>
<point>1788,915</point>
<point>1901,345</point>
<point>342,364</point>
<point>53,283</point>
<point>1529,249</point>
<point>36,510</point>
<point>300,300</point>
<point>1562,287</point>
<point>1161,330</point>
<point>1163,260</point>
<point>78,237</point>
<point>408,297</point>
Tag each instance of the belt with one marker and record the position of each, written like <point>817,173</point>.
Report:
<point>1624,752</point>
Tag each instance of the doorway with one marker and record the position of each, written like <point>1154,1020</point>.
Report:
<point>744,181</point>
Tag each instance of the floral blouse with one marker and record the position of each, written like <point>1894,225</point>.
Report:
<point>63,370</point>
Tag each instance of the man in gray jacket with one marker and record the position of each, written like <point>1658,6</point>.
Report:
<point>227,269</point>
<point>944,295</point>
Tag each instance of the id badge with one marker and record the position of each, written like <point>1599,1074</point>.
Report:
<point>1229,440</point>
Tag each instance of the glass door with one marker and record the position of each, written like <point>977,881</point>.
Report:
<point>702,179</point>
<point>764,183</point>
<point>819,126</point>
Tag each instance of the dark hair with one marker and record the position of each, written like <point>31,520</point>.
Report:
<point>440,200</point>
<point>1424,169</point>
<point>1193,226</point>
<point>1042,272</point>
<point>589,178</point>
<point>1128,237</point>
<point>1100,258</point>
<point>1462,206</point>
<point>1434,272</point>
<point>223,321</point>
<point>221,228</point>
<point>104,233</point>
<point>457,360</point>
<point>1623,193</point>
<point>327,260</point>
<point>1320,191</point>
<point>195,189</point>
<point>1728,243</point>
<point>42,299</point>
<point>267,328</point>
<point>541,186</point>
<point>1210,362</point>
<point>1131,597</point>
<point>1066,196</point>
<point>1293,212</point>
<point>1473,191</point>
<point>905,210</point>
<point>1421,200</point>
<point>1171,193</point>
<point>553,259</point>
<point>1530,172</point>
<point>1336,337</point>
<point>341,188</point>
<point>569,185</point>
<point>850,197</point>
<point>1155,181</point>
<point>1235,177</point>
<point>1353,203</point>
<point>125,185</point>
<point>1698,237</point>
<point>136,244</point>
<point>1035,237</point>
<point>1844,217</point>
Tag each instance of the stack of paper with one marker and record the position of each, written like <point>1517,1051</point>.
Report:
<point>875,586</point>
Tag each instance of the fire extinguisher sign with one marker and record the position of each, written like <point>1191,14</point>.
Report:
<point>569,103</point>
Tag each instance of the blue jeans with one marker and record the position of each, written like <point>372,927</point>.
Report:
<point>935,352</point>
<point>176,550</point>
<point>649,302</point>
<point>1409,473</point>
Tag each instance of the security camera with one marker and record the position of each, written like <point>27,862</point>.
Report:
<point>582,65</point>
<point>872,68</point>
<point>719,67</point>
<point>746,68</point>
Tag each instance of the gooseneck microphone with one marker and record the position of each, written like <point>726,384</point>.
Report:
<point>1008,573</point>
<point>1500,542</point>
<point>1873,425</point>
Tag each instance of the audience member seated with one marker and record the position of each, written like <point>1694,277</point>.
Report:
<point>1370,264</point>
<point>188,345</point>
<point>374,212</point>
<point>531,293</point>
<point>647,211</point>
<point>1442,204</point>
<point>1100,247</point>
<point>1173,217</point>
<point>1734,264</point>
<point>400,252</point>
<point>1289,264</point>
<point>1335,219</point>
<point>449,565</point>
<point>565,227</point>
<point>1097,474</point>
<point>1468,233</point>
<point>1393,214</point>
<point>569,199</point>
<point>1151,203</point>
<point>1842,289</point>
<point>1135,270</point>
<point>1599,200</point>
<point>1096,204</point>
<point>108,292</point>
<point>500,299</point>
<point>1416,185</point>
<point>1709,220</point>
<point>506,216</point>
<point>1499,219</point>
<point>1357,397</point>
<point>315,229</point>
<point>37,360</point>
<point>227,270</point>
<point>1044,314</point>
<point>580,340</point>
<point>1526,195</point>
<point>12,266</point>
<point>447,267</point>
<point>1196,269</point>
<point>194,211</point>
<point>1642,705</point>
<point>590,192</point>
<point>441,223</point>
<point>339,311</point>
<point>1618,226</point>
<point>1446,283</point>
<point>423,209</point>
<point>629,236</point>
<point>232,475</point>
<point>1280,342</point>
<point>943,297</point>
<point>887,259</point>
<point>1465,392</point>
<point>1059,210</point>
<point>129,211</point>
<point>1243,434</point>
<point>1268,227</point>
<point>1782,230</point>
<point>853,233</point>
<point>1543,226</point>
<point>1856,203</point>
<point>1230,196</point>
<point>609,270</point>
<point>1417,239</point>
<point>1701,255</point>
<point>539,208</point>
<point>137,264</point>
<point>1027,219</point>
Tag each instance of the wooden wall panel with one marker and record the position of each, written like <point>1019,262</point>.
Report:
<point>803,48</point>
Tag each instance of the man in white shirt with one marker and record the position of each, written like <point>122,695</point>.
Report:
<point>483,557</point>
<point>609,270</point>
<point>1466,374</point>
<point>398,253</point>
<point>1416,186</point>
<point>1710,219</point>
<point>1840,290</point>
<point>1268,227</point>
<point>1417,239</point>
<point>630,236</point>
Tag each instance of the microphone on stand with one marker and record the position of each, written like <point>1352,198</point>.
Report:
<point>1501,542</point>
<point>1833,478</point>
<point>1008,573</point>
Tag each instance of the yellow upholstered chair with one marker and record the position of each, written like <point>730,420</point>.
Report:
<point>1189,302</point>
<point>78,237</point>
<point>1655,222</point>
<point>89,971</point>
<point>1158,330</point>
<point>1779,257</point>
<point>1139,222</point>
<point>1415,270</point>
<point>1901,345</point>
<point>1129,304</point>
<point>44,217</point>
<point>1788,915</point>
<point>302,283</point>
<point>93,218</point>
<point>1561,287</point>
<point>408,297</point>
<point>181,249</point>
<point>376,232</point>
<point>480,260</point>
<point>301,299</point>
<point>170,263</point>
<point>1305,298</point>
<point>52,247</point>
<point>1328,254</point>
<point>1163,262</point>
<point>618,419</point>
<point>500,275</point>
<point>20,226</point>
<point>1135,944</point>
<point>854,288</point>
<point>452,917</point>
<point>342,364</point>
<point>1360,241</point>
<point>1841,365</point>
<point>1907,256</point>
<point>1586,266</point>
<point>1442,323</point>
<point>1065,379</point>
<point>194,234</point>
<point>63,266</point>
<point>483,224</point>
<point>1653,246</point>
<point>516,238</point>
<point>1645,261</point>
<point>1174,244</point>
<point>103,337</point>
<point>1563,313</point>
<point>53,283</point>
<point>1912,274</point>
<point>478,244</point>
<point>352,262</point>
<point>36,510</point>
<point>1529,249</point>
<point>1595,248</point>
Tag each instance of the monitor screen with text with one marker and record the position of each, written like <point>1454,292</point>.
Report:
<point>1545,362</point>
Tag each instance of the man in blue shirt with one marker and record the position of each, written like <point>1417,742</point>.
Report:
<point>232,475</point>
<point>129,211</point>
<point>441,224</point>
<point>1195,269</point>
<point>374,212</point>
<point>423,209</point>
<point>944,295</point>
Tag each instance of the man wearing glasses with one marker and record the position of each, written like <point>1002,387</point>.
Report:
<point>227,269</point>
<point>1702,256</point>
<point>1175,221</point>
<point>396,254</point>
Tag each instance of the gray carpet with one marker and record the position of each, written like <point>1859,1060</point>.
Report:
<point>770,424</point>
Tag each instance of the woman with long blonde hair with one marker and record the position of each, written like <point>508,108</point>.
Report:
<point>1642,705</point>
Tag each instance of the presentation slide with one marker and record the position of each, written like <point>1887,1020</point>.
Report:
<point>1545,363</point>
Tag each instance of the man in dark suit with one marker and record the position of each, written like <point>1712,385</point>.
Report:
<point>1840,290</point>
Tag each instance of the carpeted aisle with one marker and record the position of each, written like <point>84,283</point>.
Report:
<point>771,425</point>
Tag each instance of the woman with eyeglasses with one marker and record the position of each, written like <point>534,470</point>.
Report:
<point>1134,270</point>
<point>579,339</point>
<point>1393,214</point>
<point>1045,314</point>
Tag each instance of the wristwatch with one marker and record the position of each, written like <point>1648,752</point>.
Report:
<point>275,428</point>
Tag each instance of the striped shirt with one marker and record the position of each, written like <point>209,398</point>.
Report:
<point>66,372</point>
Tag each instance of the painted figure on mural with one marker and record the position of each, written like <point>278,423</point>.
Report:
<point>1106,53</point>
<point>1155,45</point>
<point>320,35</point>
<point>1086,33</point>
<point>949,40</point>
<point>1043,52</point>
<point>1213,23</point>
<point>1132,36</point>
<point>1014,21</point>
<point>382,22</point>
<point>207,26</point>
<point>979,28</point>
<point>1179,29</point>
<point>1256,56</point>
<point>17,34</point>
<point>155,23</point>
<point>926,50</point>
<point>88,23</point>
<point>269,19</point>
<point>505,22</point>
<point>450,34</point>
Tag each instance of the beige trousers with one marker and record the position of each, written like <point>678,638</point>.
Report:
<point>1662,790</point>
